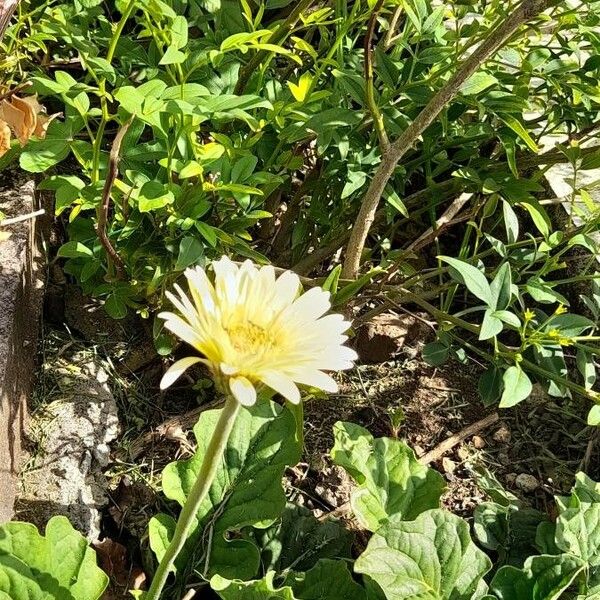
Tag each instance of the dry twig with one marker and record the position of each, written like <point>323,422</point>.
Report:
<point>457,438</point>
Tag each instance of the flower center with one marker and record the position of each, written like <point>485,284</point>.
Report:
<point>249,338</point>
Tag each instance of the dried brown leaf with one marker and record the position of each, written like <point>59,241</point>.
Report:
<point>4,138</point>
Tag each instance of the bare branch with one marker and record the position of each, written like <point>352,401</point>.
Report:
<point>113,170</point>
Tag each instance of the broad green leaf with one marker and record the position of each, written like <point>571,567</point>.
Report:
<point>435,353</point>
<point>74,250</point>
<point>191,252</point>
<point>262,589</point>
<point>543,578</point>
<point>470,276</point>
<point>517,387</point>
<point>331,283</point>
<point>491,326</point>
<point>299,540</point>
<point>154,195</point>
<point>327,580</point>
<point>477,83</point>
<point>490,385</point>
<point>593,417</point>
<point>59,565</point>
<point>391,481</point>
<point>538,215</point>
<point>578,532</point>
<point>247,490</point>
<point>430,558</point>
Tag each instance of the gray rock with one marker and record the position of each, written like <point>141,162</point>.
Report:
<point>71,436</point>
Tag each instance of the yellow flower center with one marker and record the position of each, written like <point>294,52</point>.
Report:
<point>249,338</point>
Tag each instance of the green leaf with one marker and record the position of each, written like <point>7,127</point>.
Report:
<point>472,277</point>
<point>172,56</point>
<point>391,481</point>
<point>247,490</point>
<point>430,558</point>
<point>299,540</point>
<point>74,250</point>
<point>490,385</point>
<point>542,578</point>
<point>154,195</point>
<point>331,283</point>
<point>191,252</point>
<point>115,306</point>
<point>511,222</point>
<point>501,287</point>
<point>477,83</point>
<point>593,417</point>
<point>517,387</point>
<point>327,580</point>
<point>518,128</point>
<point>538,215</point>
<point>435,353</point>
<point>491,326</point>
<point>263,589</point>
<point>40,155</point>
<point>59,565</point>
<point>578,532</point>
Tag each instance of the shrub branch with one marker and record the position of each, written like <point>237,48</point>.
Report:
<point>498,38</point>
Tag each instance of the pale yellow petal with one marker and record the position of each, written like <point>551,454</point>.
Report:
<point>316,379</point>
<point>181,329</point>
<point>286,290</point>
<point>243,390</point>
<point>176,370</point>
<point>282,384</point>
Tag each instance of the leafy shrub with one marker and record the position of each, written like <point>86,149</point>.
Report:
<point>249,129</point>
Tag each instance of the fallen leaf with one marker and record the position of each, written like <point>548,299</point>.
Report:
<point>4,138</point>
<point>15,119</point>
<point>29,118</point>
<point>42,124</point>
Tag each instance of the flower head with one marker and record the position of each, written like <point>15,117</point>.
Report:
<point>254,330</point>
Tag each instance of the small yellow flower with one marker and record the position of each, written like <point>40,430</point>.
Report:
<point>255,330</point>
<point>565,342</point>
<point>561,310</point>
<point>528,315</point>
<point>554,333</point>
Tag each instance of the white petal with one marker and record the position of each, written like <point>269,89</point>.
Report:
<point>243,391</point>
<point>228,369</point>
<point>286,289</point>
<point>176,370</point>
<point>282,385</point>
<point>310,306</point>
<point>182,329</point>
<point>316,379</point>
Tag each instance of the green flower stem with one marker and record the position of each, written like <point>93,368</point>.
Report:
<point>208,470</point>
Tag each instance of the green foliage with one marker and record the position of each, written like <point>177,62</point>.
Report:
<point>247,491</point>
<point>59,565</point>
<point>390,479</point>
<point>431,557</point>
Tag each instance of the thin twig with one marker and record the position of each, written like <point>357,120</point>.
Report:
<point>389,36</point>
<point>113,170</point>
<point>21,218</point>
<point>457,438</point>
<point>366,215</point>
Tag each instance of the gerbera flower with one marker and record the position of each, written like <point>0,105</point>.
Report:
<point>254,330</point>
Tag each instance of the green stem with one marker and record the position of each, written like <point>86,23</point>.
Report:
<point>298,411</point>
<point>205,478</point>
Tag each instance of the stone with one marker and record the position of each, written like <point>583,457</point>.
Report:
<point>502,435</point>
<point>527,483</point>
<point>387,334</point>
<point>448,465</point>
<point>71,437</point>
<point>478,442</point>
<point>21,283</point>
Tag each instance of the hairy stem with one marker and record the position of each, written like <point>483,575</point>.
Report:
<point>206,476</point>
<point>526,11</point>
